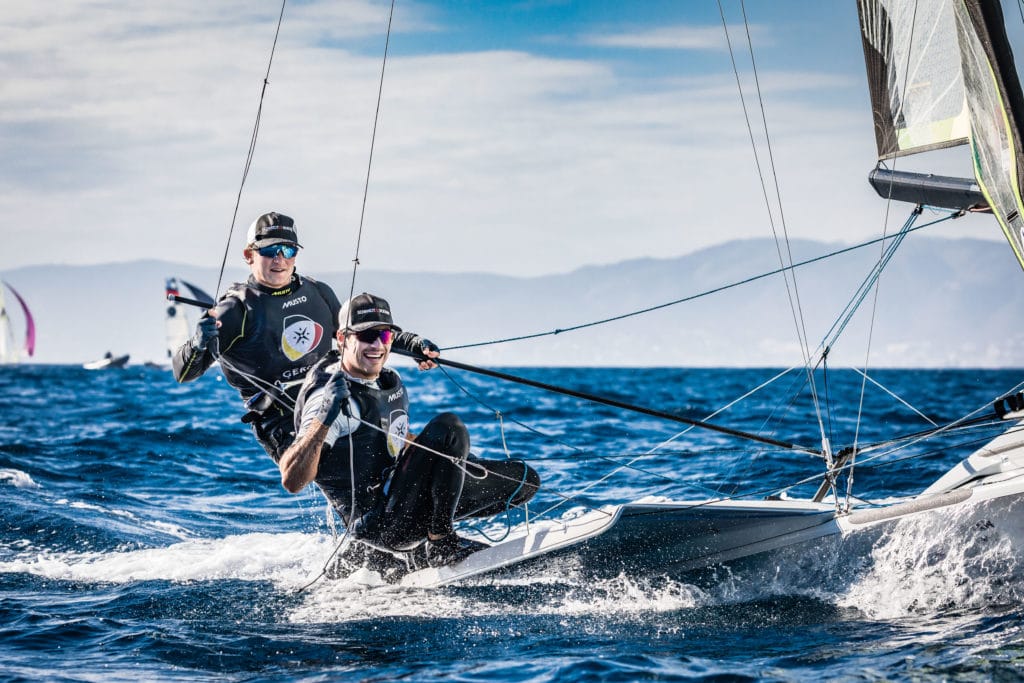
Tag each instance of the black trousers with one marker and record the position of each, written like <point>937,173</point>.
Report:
<point>427,491</point>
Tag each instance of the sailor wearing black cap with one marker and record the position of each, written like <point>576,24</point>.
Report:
<point>268,331</point>
<point>352,419</point>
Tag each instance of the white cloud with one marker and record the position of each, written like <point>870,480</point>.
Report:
<point>126,127</point>
<point>679,37</point>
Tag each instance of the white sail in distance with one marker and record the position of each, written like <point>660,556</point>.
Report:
<point>180,319</point>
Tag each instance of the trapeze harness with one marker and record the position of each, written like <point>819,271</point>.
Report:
<point>276,336</point>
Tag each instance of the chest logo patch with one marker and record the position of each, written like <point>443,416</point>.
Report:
<point>398,432</point>
<point>300,336</point>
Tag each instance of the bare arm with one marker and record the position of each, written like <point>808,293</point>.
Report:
<point>300,462</point>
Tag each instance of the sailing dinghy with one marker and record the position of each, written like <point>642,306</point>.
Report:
<point>10,350</point>
<point>940,74</point>
<point>108,361</point>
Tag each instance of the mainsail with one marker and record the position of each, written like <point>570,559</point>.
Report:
<point>178,326</point>
<point>10,351</point>
<point>913,65</point>
<point>941,73</point>
<point>995,104</point>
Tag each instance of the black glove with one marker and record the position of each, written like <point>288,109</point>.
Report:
<point>336,396</point>
<point>206,331</point>
<point>422,346</point>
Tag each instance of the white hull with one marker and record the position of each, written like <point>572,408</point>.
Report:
<point>104,363</point>
<point>684,538</point>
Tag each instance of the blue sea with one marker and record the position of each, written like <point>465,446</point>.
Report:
<point>146,537</point>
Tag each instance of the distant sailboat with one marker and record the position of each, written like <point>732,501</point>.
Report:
<point>109,360</point>
<point>10,350</point>
<point>179,324</point>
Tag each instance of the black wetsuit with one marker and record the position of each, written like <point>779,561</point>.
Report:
<point>402,493</point>
<point>274,335</point>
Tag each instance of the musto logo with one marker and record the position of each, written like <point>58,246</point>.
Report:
<point>301,335</point>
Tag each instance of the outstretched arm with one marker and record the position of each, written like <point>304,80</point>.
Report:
<point>216,332</point>
<point>197,354</point>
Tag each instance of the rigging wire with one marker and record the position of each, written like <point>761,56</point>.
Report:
<point>870,280</point>
<point>877,287</point>
<point>692,297</point>
<point>895,396</point>
<point>369,163</point>
<point>251,153</point>
<point>477,399</point>
<point>796,309</point>
<point>657,448</point>
<point>354,508</point>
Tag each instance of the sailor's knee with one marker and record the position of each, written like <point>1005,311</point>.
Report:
<point>449,421</point>
<point>447,428</point>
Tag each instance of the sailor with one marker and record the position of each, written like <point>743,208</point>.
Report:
<point>352,421</point>
<point>268,331</point>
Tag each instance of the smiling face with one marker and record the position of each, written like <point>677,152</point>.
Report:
<point>273,271</point>
<point>364,359</point>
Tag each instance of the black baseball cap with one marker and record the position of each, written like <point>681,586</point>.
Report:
<point>272,228</point>
<point>365,311</point>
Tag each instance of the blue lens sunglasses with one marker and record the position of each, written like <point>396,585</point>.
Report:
<point>285,250</point>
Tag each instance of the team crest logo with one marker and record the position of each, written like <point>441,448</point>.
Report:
<point>398,432</point>
<point>301,335</point>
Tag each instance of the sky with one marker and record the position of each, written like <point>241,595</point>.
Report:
<point>524,137</point>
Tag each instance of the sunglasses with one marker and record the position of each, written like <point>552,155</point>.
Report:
<point>285,250</point>
<point>369,336</point>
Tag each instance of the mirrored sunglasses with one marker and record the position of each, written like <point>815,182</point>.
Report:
<point>285,250</point>
<point>369,336</point>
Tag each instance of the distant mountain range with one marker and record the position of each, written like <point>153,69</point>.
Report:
<point>941,303</point>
